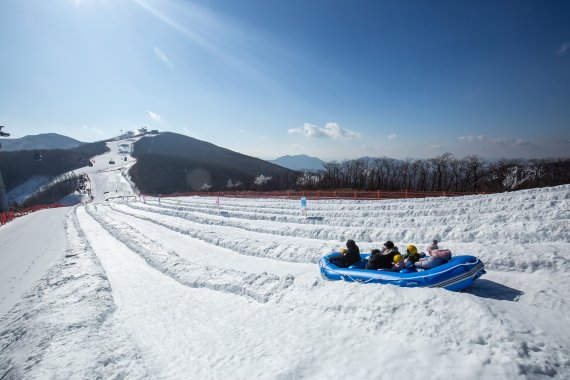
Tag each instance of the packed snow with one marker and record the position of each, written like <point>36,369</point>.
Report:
<point>143,287</point>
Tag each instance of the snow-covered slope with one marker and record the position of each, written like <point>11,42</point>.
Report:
<point>25,190</point>
<point>185,288</point>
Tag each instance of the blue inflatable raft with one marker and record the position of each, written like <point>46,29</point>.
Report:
<point>456,274</point>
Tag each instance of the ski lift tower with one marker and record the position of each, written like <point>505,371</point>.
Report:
<point>3,200</point>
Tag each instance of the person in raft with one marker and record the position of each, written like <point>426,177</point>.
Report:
<point>435,257</point>
<point>398,263</point>
<point>411,256</point>
<point>348,255</point>
<point>433,245</point>
<point>382,259</point>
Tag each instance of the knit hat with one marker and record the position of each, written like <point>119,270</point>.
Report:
<point>412,249</point>
<point>350,243</point>
<point>389,244</point>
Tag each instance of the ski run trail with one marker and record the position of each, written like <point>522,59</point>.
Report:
<point>185,288</point>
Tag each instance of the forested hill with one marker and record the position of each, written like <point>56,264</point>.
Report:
<point>19,166</point>
<point>171,162</point>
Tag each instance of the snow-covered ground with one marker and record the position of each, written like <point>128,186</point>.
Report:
<point>184,288</point>
<point>109,181</point>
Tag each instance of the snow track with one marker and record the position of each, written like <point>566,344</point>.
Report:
<point>64,328</point>
<point>257,286</point>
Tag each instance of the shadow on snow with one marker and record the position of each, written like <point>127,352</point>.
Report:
<point>490,289</point>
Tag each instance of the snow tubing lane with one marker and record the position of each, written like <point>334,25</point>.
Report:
<point>457,274</point>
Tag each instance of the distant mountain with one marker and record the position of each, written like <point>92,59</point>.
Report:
<point>171,162</point>
<point>41,141</point>
<point>299,162</point>
<point>369,159</point>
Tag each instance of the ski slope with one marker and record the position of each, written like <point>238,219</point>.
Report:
<point>185,288</point>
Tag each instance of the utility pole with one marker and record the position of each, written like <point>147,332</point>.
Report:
<point>3,200</point>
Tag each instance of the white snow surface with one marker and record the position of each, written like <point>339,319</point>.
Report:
<point>183,288</point>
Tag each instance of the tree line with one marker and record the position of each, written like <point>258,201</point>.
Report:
<point>442,173</point>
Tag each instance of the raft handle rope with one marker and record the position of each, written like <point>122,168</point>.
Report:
<point>343,275</point>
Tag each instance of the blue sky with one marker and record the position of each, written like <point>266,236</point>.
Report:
<point>332,79</point>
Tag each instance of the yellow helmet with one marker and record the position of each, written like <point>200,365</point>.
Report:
<point>343,251</point>
<point>412,249</point>
<point>397,259</point>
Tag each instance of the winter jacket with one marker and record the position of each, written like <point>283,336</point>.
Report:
<point>352,255</point>
<point>442,253</point>
<point>398,267</point>
<point>382,259</point>
<point>430,262</point>
<point>412,257</point>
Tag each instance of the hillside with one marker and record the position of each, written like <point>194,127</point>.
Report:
<point>171,162</point>
<point>299,162</point>
<point>41,141</point>
<point>20,166</point>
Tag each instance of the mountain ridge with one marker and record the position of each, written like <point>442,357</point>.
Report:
<point>39,141</point>
<point>299,162</point>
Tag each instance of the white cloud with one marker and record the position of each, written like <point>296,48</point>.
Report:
<point>392,136</point>
<point>496,141</point>
<point>563,48</point>
<point>331,130</point>
<point>93,129</point>
<point>154,116</point>
<point>160,54</point>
